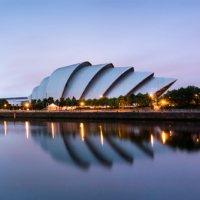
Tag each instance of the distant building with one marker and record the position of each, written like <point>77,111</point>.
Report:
<point>86,81</point>
<point>16,101</point>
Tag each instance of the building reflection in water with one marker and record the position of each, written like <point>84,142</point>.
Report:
<point>119,142</point>
<point>101,134</point>
<point>82,131</point>
<point>52,130</point>
<point>163,137</point>
<point>27,129</point>
<point>5,128</point>
<point>152,140</point>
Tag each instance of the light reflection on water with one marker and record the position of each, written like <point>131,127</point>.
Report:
<point>145,155</point>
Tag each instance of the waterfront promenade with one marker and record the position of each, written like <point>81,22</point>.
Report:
<point>106,114</point>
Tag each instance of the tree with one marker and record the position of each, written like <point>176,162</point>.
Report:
<point>94,102</point>
<point>62,102</point>
<point>39,104</point>
<point>57,102</point>
<point>183,97</point>
<point>143,99</point>
<point>50,100</point>
<point>45,102</point>
<point>68,102</point>
<point>103,101</point>
<point>74,101</point>
<point>132,97</point>
<point>3,102</point>
<point>33,103</point>
<point>88,102</point>
<point>122,101</point>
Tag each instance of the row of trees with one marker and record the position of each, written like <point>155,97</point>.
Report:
<point>183,97</point>
<point>122,101</point>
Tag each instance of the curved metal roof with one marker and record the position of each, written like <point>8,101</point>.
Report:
<point>127,83</point>
<point>153,85</point>
<point>29,98</point>
<point>42,88</point>
<point>103,81</point>
<point>35,93</point>
<point>81,80</point>
<point>60,78</point>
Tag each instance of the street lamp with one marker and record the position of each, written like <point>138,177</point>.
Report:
<point>196,95</point>
<point>151,96</point>
<point>27,105</point>
<point>101,96</point>
<point>5,105</point>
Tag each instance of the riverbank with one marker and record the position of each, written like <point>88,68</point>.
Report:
<point>187,115</point>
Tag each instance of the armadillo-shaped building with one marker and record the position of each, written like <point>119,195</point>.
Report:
<point>86,81</point>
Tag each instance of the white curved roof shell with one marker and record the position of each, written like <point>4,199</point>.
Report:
<point>88,82</point>
<point>81,80</point>
<point>127,83</point>
<point>42,88</point>
<point>29,98</point>
<point>153,84</point>
<point>103,81</point>
<point>60,78</point>
<point>35,93</point>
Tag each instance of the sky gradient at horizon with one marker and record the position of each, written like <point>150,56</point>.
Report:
<point>40,36</point>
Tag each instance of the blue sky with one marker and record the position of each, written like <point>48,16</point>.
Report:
<point>38,36</point>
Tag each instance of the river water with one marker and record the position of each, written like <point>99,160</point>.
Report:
<point>44,159</point>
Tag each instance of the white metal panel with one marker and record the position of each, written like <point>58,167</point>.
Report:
<point>35,93</point>
<point>29,98</point>
<point>81,79</point>
<point>42,88</point>
<point>127,83</point>
<point>60,78</point>
<point>103,81</point>
<point>153,84</point>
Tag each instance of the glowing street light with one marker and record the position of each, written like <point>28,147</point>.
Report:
<point>5,105</point>
<point>27,105</point>
<point>151,95</point>
<point>101,96</point>
<point>82,104</point>
<point>163,102</point>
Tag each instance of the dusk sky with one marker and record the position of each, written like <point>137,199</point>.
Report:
<point>39,36</point>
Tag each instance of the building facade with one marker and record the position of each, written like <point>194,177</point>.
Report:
<point>86,81</point>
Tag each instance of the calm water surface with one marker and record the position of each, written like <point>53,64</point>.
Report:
<point>99,160</point>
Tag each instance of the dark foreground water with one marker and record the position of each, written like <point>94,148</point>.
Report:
<point>99,160</point>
